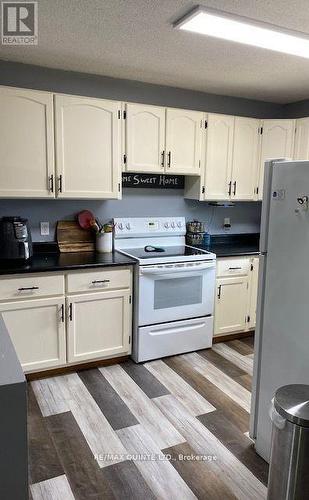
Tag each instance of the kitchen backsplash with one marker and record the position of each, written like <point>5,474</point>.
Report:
<point>245,217</point>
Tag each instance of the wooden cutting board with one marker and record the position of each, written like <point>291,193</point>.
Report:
<point>72,238</point>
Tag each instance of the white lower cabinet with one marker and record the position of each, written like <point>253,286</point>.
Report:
<point>89,316</point>
<point>231,305</point>
<point>37,330</point>
<point>237,284</point>
<point>99,325</point>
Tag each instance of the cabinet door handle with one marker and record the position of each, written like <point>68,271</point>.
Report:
<point>234,192</point>
<point>219,292</point>
<point>230,188</point>
<point>70,311</point>
<point>62,313</point>
<point>169,159</point>
<point>234,268</point>
<point>162,158</point>
<point>51,183</point>
<point>60,183</point>
<point>96,282</point>
<point>27,288</point>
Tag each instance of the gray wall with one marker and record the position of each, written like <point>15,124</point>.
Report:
<point>297,109</point>
<point>36,77</point>
<point>245,217</point>
<point>136,202</point>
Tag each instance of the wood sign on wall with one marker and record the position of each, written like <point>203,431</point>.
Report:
<point>153,181</point>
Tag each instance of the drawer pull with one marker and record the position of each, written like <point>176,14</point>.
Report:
<point>235,268</point>
<point>24,288</point>
<point>96,282</point>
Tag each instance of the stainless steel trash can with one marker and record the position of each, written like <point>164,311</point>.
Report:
<point>289,459</point>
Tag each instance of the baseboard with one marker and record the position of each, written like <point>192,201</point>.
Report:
<point>73,368</point>
<point>233,336</point>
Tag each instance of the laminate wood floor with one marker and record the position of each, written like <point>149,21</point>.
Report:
<point>175,428</point>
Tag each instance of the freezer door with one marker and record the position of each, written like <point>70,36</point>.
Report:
<point>267,189</point>
<point>283,325</point>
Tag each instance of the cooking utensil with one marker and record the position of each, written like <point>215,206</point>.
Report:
<point>94,225</point>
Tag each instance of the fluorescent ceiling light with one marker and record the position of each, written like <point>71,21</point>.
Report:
<point>239,29</point>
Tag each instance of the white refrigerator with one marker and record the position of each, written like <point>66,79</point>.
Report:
<point>282,330</point>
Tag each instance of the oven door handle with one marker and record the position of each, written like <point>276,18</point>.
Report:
<point>172,270</point>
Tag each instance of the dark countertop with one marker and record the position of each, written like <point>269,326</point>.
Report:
<point>234,245</point>
<point>46,259</point>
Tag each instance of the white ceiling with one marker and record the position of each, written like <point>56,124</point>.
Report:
<point>134,39</point>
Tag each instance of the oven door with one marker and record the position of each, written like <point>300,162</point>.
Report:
<point>172,292</point>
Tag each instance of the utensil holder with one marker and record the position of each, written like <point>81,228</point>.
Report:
<point>104,242</point>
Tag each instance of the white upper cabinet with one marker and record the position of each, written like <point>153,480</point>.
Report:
<point>277,142</point>
<point>183,141</point>
<point>245,158</point>
<point>218,157</point>
<point>145,138</point>
<point>301,150</point>
<point>26,144</point>
<point>88,147</point>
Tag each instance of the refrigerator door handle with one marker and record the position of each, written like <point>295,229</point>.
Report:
<point>267,192</point>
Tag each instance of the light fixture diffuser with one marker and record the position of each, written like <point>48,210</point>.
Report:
<point>218,24</point>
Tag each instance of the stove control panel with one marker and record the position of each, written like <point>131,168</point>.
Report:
<point>146,226</point>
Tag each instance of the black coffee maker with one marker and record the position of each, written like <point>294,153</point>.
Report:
<point>15,239</point>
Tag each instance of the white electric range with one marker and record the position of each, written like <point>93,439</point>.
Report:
<point>174,287</point>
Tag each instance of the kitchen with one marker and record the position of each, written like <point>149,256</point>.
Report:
<point>139,339</point>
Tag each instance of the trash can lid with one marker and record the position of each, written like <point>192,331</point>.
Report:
<point>292,403</point>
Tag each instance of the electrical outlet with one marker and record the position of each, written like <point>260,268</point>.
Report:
<point>227,223</point>
<point>44,227</point>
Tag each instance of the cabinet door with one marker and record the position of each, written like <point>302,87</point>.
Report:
<point>26,144</point>
<point>88,147</point>
<point>277,142</point>
<point>99,325</point>
<point>253,292</point>
<point>145,138</point>
<point>231,305</point>
<point>183,141</point>
<point>218,160</point>
<point>301,150</point>
<point>245,158</point>
<point>37,331</point>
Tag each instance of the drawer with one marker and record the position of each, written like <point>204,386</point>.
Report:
<point>233,267</point>
<point>31,286</point>
<point>107,279</point>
